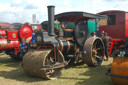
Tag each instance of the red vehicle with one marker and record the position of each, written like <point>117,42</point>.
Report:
<point>116,26</point>
<point>10,40</point>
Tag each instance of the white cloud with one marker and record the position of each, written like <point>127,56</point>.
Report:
<point>4,7</point>
<point>22,10</point>
<point>103,5</point>
<point>66,2</point>
<point>17,1</point>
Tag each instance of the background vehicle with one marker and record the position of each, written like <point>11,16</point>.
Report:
<point>11,38</point>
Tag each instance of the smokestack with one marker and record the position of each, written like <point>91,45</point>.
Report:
<point>51,20</point>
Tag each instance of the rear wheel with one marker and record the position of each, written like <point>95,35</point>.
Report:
<point>93,51</point>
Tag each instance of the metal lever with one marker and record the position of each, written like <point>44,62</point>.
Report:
<point>54,66</point>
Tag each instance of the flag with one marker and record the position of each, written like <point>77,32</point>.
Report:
<point>34,18</point>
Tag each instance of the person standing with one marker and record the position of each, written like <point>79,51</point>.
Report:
<point>33,36</point>
<point>23,48</point>
<point>106,39</point>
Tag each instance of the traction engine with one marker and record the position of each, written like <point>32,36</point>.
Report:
<point>10,40</point>
<point>47,59</point>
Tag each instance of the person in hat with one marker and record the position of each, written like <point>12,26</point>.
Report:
<point>106,39</point>
<point>102,34</point>
<point>93,34</point>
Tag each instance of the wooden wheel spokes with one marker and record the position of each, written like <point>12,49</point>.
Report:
<point>98,49</point>
<point>94,45</point>
<point>93,51</point>
<point>95,56</point>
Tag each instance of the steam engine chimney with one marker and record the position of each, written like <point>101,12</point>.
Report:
<point>51,20</point>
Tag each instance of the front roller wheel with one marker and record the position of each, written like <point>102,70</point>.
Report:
<point>93,51</point>
<point>35,59</point>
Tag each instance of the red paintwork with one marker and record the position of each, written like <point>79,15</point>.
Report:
<point>2,32</point>
<point>115,31</point>
<point>12,35</point>
<point>119,31</point>
<point>12,39</point>
<point>117,43</point>
<point>126,24</point>
<point>26,31</point>
<point>4,45</point>
<point>39,27</point>
<point>110,47</point>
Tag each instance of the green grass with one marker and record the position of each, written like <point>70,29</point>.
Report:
<point>12,74</point>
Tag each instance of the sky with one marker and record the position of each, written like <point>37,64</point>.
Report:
<point>21,11</point>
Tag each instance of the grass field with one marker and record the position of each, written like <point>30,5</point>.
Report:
<point>12,74</point>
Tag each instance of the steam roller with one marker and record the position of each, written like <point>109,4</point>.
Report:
<point>51,53</point>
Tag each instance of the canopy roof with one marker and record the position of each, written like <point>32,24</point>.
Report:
<point>77,16</point>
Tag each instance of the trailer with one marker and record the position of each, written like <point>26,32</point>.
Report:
<point>116,26</point>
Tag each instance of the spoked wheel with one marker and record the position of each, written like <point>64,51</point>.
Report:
<point>93,51</point>
<point>53,73</point>
<point>35,60</point>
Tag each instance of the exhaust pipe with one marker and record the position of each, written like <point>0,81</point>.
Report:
<point>51,20</point>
